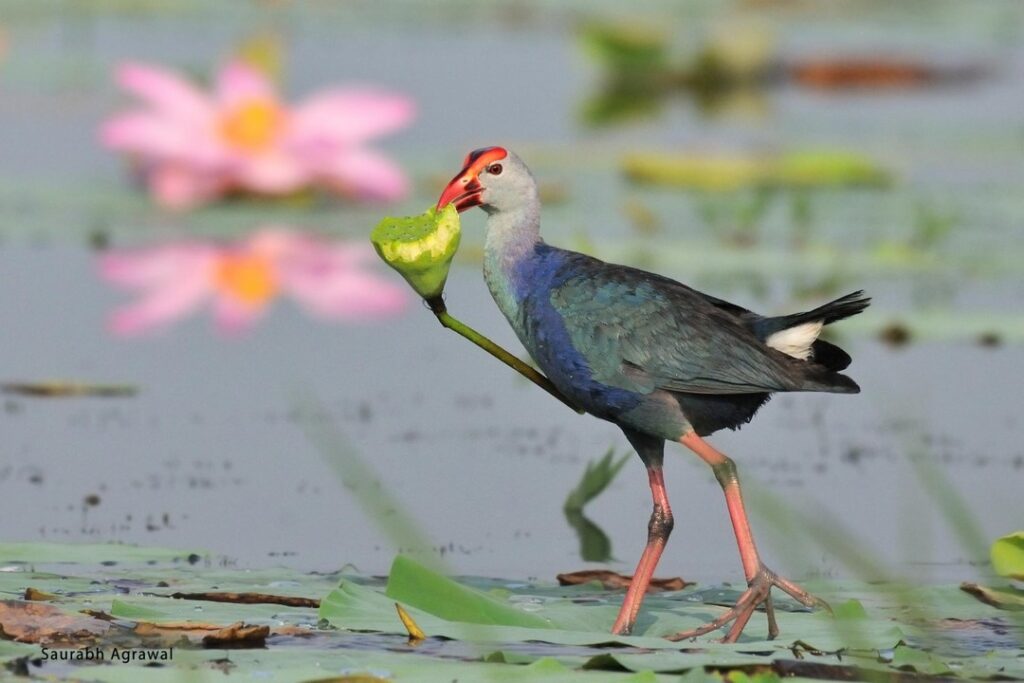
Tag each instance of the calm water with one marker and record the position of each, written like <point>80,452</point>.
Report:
<point>212,454</point>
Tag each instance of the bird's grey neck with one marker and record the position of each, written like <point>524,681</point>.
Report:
<point>512,235</point>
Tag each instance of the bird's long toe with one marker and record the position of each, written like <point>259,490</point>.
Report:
<point>799,594</point>
<point>757,594</point>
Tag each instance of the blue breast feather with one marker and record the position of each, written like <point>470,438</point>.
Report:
<point>542,330</point>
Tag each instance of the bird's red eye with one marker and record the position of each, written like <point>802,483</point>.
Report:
<point>494,169</point>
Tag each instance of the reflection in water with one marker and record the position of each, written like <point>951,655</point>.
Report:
<point>641,74</point>
<point>331,280</point>
<point>594,543</point>
<point>595,546</point>
<point>194,146</point>
<point>728,74</point>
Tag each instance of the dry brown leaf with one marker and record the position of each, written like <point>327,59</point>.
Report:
<point>199,628</point>
<point>238,635</point>
<point>62,389</point>
<point>612,580</point>
<point>830,74</point>
<point>36,622</point>
<point>37,595</point>
<point>250,599</point>
<point>1008,598</point>
<point>208,634</point>
<point>99,614</point>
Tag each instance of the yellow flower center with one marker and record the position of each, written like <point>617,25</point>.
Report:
<point>247,277</point>
<point>253,125</point>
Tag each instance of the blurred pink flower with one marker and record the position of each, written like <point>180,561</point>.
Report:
<point>194,146</point>
<point>3,44</point>
<point>329,280</point>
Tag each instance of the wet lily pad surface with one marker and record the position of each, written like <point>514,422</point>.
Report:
<point>475,628</point>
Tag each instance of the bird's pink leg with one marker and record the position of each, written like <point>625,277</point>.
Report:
<point>760,579</point>
<point>658,530</point>
<point>725,472</point>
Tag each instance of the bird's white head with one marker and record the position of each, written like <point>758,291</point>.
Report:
<point>492,178</point>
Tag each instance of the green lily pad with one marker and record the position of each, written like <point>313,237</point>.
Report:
<point>413,584</point>
<point>629,47</point>
<point>366,638</point>
<point>128,610</point>
<point>826,168</point>
<point>92,553</point>
<point>908,658</point>
<point>420,247</point>
<point>851,609</point>
<point>800,169</point>
<point>1008,555</point>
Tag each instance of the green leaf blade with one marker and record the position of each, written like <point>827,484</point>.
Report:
<point>414,584</point>
<point>1008,555</point>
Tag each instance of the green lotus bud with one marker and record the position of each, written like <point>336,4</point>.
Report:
<point>420,247</point>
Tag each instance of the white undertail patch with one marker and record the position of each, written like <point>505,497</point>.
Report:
<point>796,341</point>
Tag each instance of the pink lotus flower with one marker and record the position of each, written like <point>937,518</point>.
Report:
<point>241,280</point>
<point>193,146</point>
<point>3,44</point>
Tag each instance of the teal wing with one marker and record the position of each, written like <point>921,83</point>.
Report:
<point>642,332</point>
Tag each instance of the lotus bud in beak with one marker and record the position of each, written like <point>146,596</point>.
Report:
<point>420,247</point>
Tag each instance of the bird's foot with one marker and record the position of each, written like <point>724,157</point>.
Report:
<point>758,593</point>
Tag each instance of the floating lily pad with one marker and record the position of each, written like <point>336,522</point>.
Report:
<point>366,637</point>
<point>92,553</point>
<point>1008,555</point>
<point>803,169</point>
<point>416,585</point>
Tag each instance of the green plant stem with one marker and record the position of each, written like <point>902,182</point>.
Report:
<point>440,310</point>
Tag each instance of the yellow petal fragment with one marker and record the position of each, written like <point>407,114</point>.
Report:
<point>415,632</point>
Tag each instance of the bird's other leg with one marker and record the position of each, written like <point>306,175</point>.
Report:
<point>651,450</point>
<point>760,579</point>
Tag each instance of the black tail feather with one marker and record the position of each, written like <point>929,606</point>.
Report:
<point>820,378</point>
<point>843,307</point>
<point>825,354</point>
<point>829,355</point>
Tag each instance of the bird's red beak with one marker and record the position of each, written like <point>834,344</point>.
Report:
<point>465,190</point>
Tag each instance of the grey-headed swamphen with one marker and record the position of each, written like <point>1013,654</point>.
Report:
<point>657,358</point>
